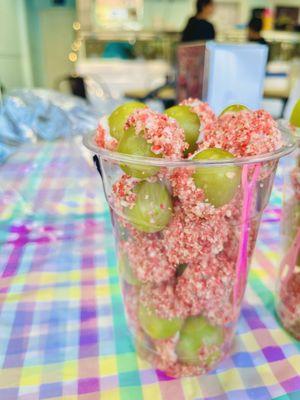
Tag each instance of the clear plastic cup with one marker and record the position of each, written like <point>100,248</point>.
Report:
<point>183,263</point>
<point>288,283</point>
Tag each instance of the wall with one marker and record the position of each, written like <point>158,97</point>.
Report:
<point>27,52</point>
<point>271,3</point>
<point>158,14</point>
<point>259,3</point>
<point>50,36</point>
<point>167,14</point>
<point>15,67</point>
<point>56,44</point>
<point>172,14</point>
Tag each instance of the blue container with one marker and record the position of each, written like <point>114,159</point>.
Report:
<point>235,74</point>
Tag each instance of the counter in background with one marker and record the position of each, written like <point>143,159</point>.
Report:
<point>120,76</point>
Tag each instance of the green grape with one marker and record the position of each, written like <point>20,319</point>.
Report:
<point>153,207</point>
<point>119,116</point>
<point>219,183</point>
<point>126,271</point>
<point>196,333</point>
<point>234,108</point>
<point>189,122</point>
<point>122,232</point>
<point>156,327</point>
<point>180,269</point>
<point>295,116</point>
<point>136,145</point>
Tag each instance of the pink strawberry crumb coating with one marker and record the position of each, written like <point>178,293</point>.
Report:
<point>188,237</point>
<point>164,356</point>
<point>122,193</point>
<point>167,349</point>
<point>164,300</point>
<point>295,179</point>
<point>148,259</point>
<point>103,138</point>
<point>191,197</point>
<point>206,287</point>
<point>164,133</point>
<point>244,133</point>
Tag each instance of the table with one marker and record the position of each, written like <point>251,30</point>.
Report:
<point>63,333</point>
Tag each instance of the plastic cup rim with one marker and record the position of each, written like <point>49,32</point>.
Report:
<point>284,124</point>
<point>115,157</point>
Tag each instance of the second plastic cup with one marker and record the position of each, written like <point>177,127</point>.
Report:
<point>288,283</point>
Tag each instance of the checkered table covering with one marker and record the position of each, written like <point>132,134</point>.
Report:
<point>62,326</point>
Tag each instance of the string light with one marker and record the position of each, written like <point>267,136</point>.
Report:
<point>75,46</point>
<point>76,25</point>
<point>73,56</point>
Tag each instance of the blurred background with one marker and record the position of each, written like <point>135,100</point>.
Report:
<point>128,47</point>
<point>43,41</point>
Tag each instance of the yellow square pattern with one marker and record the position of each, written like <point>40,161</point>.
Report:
<point>101,273</point>
<point>142,364</point>
<point>20,279</point>
<point>102,291</point>
<point>108,366</point>
<point>45,294</point>
<point>74,276</point>
<point>151,392</point>
<point>295,362</point>
<point>280,336</point>
<point>31,376</point>
<point>250,342</point>
<point>70,370</point>
<point>266,374</point>
<point>113,394</point>
<point>192,388</point>
<point>74,293</point>
<point>231,380</point>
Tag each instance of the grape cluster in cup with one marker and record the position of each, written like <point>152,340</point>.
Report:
<point>178,228</point>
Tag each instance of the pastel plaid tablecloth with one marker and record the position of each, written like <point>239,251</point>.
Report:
<point>62,327</point>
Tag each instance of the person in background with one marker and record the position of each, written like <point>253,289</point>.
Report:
<point>198,28</point>
<point>254,31</point>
